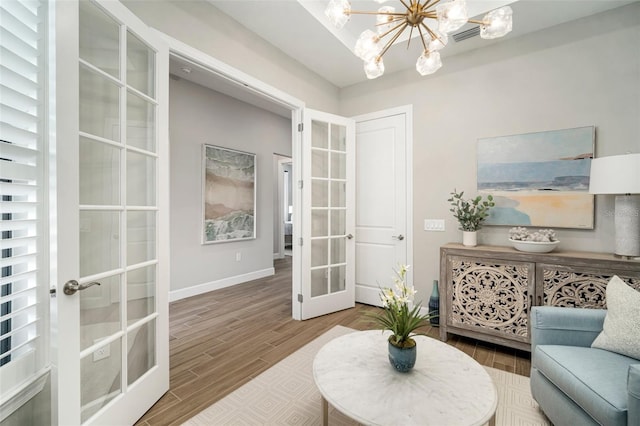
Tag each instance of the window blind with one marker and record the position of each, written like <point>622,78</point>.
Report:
<point>23,286</point>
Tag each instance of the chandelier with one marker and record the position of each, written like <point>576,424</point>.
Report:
<point>450,16</point>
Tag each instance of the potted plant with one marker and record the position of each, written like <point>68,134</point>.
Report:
<point>401,319</point>
<point>470,214</point>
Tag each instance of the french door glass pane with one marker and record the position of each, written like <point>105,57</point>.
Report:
<point>100,379</point>
<point>98,230</point>
<point>338,194</point>
<point>141,293</point>
<point>338,165</point>
<point>99,173</point>
<point>319,164</point>
<point>319,282</point>
<point>338,137</point>
<point>320,134</point>
<point>141,236</point>
<point>141,120</point>
<point>319,223</point>
<point>99,105</point>
<point>141,179</point>
<point>141,355</point>
<point>338,274</point>
<point>338,222</point>
<point>99,311</point>
<point>96,27</point>
<point>140,64</point>
<point>319,252</point>
<point>338,250</point>
<point>319,193</point>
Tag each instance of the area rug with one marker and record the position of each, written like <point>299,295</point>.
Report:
<point>286,394</point>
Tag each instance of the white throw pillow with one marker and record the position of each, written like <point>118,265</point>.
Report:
<point>621,330</point>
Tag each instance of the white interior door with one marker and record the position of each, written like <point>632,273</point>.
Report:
<point>328,214</point>
<point>382,184</point>
<point>111,158</point>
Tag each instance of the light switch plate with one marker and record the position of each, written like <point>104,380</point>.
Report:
<point>434,225</point>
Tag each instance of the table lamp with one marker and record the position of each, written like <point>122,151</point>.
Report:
<point>620,175</point>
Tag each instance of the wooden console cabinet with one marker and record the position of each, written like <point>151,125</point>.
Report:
<point>486,292</point>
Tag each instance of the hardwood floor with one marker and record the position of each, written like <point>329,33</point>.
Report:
<point>223,339</point>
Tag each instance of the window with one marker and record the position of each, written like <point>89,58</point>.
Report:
<point>23,272</point>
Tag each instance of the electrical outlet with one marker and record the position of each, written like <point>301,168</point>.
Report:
<point>102,353</point>
<point>434,225</point>
<point>238,256</point>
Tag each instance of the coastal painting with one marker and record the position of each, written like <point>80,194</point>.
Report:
<point>229,195</point>
<point>539,179</point>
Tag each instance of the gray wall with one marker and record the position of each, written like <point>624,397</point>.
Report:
<point>198,115</point>
<point>583,73</point>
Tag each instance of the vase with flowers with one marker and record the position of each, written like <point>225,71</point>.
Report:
<point>471,214</point>
<point>402,317</point>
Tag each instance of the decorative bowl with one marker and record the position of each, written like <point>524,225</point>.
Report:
<point>534,246</point>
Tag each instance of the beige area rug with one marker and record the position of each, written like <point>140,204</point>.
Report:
<point>278,397</point>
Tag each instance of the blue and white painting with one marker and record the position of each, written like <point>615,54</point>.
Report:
<point>539,179</point>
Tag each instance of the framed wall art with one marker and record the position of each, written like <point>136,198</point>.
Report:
<point>229,195</point>
<point>539,179</point>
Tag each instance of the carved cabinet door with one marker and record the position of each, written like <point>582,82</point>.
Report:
<point>578,287</point>
<point>490,296</point>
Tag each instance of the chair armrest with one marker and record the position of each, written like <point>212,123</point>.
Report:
<point>552,325</point>
<point>633,392</point>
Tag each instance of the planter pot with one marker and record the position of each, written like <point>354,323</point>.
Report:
<point>402,359</point>
<point>470,238</point>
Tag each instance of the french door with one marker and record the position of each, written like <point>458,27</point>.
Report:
<point>328,222</point>
<point>110,315</point>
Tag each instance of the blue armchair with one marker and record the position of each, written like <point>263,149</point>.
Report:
<point>573,383</point>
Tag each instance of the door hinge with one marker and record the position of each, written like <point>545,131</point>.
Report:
<point>300,184</point>
<point>300,298</point>
<point>300,242</point>
<point>300,127</point>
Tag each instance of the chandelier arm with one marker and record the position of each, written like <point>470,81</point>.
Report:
<point>366,12</point>
<point>405,4</point>
<point>428,4</point>
<point>383,35</point>
<point>393,39</point>
<point>396,19</point>
<point>475,21</point>
<point>424,44</point>
<point>410,34</point>
<point>433,35</point>
<point>430,15</point>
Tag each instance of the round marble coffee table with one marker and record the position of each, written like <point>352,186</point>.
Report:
<point>446,386</point>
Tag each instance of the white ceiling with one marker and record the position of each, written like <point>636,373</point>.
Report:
<point>300,29</point>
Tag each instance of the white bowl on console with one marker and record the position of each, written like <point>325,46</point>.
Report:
<point>534,246</point>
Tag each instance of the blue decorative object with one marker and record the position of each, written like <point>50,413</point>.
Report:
<point>402,359</point>
<point>434,305</point>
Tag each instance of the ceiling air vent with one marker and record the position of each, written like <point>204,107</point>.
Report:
<point>463,35</point>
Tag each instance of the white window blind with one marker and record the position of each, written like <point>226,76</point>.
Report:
<point>23,286</point>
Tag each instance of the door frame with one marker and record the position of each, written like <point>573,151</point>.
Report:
<point>407,110</point>
<point>257,87</point>
<point>280,229</point>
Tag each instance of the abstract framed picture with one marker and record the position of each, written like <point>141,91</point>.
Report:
<point>229,195</point>
<point>539,179</point>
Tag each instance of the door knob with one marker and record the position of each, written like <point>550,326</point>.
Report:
<point>399,237</point>
<point>349,236</point>
<point>72,286</point>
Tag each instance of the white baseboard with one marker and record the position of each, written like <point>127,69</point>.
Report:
<point>195,290</point>
<point>278,255</point>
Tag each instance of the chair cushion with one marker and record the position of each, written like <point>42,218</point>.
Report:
<point>594,379</point>
<point>621,329</point>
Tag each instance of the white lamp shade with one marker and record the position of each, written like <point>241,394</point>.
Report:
<point>617,174</point>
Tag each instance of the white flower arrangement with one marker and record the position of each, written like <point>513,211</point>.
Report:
<point>542,235</point>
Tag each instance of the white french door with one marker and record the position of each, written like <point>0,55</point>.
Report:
<point>111,185</point>
<point>328,220</point>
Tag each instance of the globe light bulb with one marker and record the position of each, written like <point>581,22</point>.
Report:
<point>451,15</point>
<point>428,63</point>
<point>374,68</point>
<point>367,46</point>
<point>497,23</point>
<point>338,12</point>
